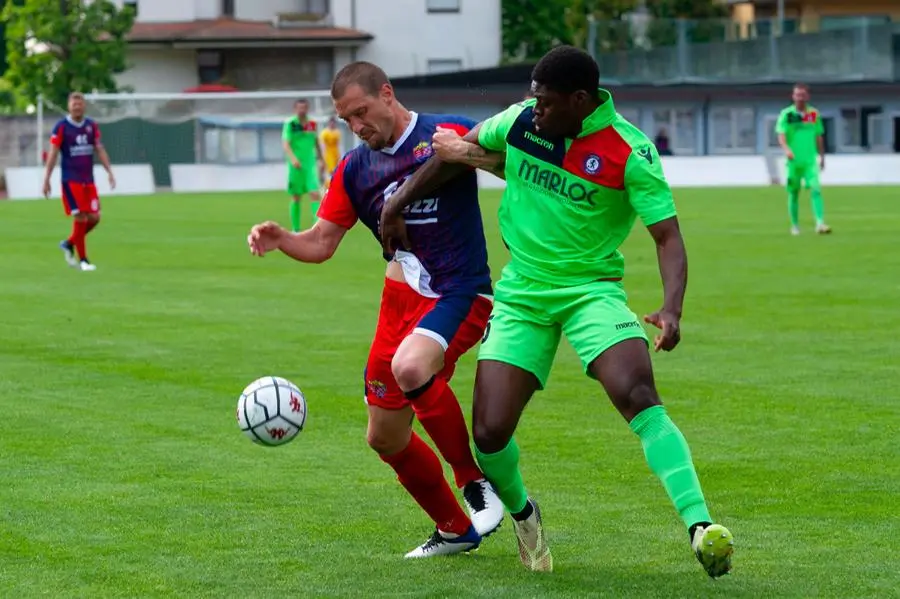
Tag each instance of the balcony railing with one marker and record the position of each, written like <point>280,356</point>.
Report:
<point>660,51</point>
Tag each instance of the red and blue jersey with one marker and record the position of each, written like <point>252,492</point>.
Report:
<point>446,232</point>
<point>77,143</point>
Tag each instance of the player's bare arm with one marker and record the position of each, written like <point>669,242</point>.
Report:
<point>103,156</point>
<point>313,246</point>
<point>672,258</point>
<point>290,153</point>
<point>449,146</point>
<point>782,141</point>
<point>820,144</point>
<point>52,158</point>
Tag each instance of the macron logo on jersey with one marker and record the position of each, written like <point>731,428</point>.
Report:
<point>551,181</point>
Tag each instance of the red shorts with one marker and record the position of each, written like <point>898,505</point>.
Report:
<point>456,321</point>
<point>80,198</point>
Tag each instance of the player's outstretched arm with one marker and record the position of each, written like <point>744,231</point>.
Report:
<point>313,246</point>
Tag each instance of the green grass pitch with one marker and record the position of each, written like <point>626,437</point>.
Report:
<point>124,473</point>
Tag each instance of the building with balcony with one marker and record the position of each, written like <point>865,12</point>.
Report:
<point>812,15</point>
<point>299,44</point>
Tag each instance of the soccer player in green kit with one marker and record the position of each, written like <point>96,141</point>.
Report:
<point>800,135</point>
<point>578,175</point>
<point>305,162</point>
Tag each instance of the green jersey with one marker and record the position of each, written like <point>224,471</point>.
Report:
<point>801,131</point>
<point>302,138</point>
<point>570,203</point>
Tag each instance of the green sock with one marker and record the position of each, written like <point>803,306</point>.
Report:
<point>295,216</point>
<point>794,208</point>
<point>818,207</point>
<point>669,458</point>
<point>502,469</point>
<point>314,206</point>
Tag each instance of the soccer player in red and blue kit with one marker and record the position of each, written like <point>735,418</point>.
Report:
<point>435,305</point>
<point>77,139</point>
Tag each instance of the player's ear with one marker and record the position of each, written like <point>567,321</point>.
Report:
<point>579,98</point>
<point>387,94</point>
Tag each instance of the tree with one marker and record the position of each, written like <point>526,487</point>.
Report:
<point>532,27</point>
<point>703,20</point>
<point>612,31</point>
<point>55,47</point>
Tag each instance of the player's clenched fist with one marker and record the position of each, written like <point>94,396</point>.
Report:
<point>448,145</point>
<point>265,237</point>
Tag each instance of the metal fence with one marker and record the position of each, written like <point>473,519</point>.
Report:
<point>660,51</point>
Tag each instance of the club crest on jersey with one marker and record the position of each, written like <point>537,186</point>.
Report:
<point>592,164</point>
<point>376,388</point>
<point>422,151</point>
<point>89,129</point>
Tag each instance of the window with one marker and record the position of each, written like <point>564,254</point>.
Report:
<point>443,5</point>
<point>227,8</point>
<point>851,125</point>
<point>313,7</point>
<point>444,65</point>
<point>210,66</point>
<point>771,136</point>
<point>732,131</point>
<point>679,125</point>
<point>631,114</point>
<point>133,5</point>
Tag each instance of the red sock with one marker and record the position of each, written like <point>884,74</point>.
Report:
<point>439,412</point>
<point>419,471</point>
<point>79,230</point>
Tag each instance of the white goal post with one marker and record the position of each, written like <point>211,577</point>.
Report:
<point>218,130</point>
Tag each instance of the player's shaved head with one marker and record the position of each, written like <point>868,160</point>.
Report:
<point>369,77</point>
<point>364,99</point>
<point>567,70</point>
<point>76,105</point>
<point>564,85</point>
<point>800,95</point>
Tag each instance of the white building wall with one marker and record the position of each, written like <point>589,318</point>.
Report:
<point>204,9</point>
<point>160,70</point>
<point>408,38</point>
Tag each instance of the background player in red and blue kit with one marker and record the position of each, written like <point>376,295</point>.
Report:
<point>435,304</point>
<point>77,139</point>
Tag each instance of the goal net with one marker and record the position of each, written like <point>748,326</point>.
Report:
<point>224,128</point>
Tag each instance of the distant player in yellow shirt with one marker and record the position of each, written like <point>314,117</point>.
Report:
<point>800,134</point>
<point>331,143</point>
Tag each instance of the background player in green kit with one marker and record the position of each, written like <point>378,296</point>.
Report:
<point>578,175</point>
<point>305,162</point>
<point>800,134</point>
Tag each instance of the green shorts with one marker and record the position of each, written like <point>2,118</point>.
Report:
<point>302,181</point>
<point>798,173</point>
<point>529,317</point>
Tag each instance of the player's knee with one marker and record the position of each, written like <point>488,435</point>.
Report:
<point>385,442</point>
<point>411,372</point>
<point>641,395</point>
<point>490,434</point>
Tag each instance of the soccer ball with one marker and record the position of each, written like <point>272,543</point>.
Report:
<point>271,411</point>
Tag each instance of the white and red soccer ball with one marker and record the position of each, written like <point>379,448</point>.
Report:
<point>271,411</point>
